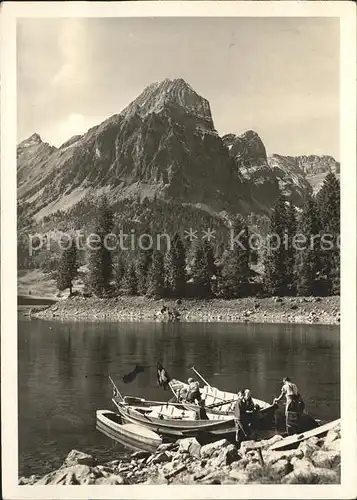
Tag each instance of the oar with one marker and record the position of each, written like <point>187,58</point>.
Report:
<point>214,405</point>
<point>121,397</point>
<point>209,385</point>
<point>159,403</point>
<point>205,381</point>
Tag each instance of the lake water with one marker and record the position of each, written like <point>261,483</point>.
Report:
<point>64,368</point>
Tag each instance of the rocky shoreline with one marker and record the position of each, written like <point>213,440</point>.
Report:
<point>315,461</point>
<point>307,310</point>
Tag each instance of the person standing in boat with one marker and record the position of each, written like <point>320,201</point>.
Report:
<point>163,377</point>
<point>193,391</point>
<point>240,419</point>
<point>294,405</point>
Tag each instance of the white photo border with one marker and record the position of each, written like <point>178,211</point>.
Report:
<point>346,12</point>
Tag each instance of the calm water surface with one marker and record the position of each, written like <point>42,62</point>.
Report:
<point>64,368</point>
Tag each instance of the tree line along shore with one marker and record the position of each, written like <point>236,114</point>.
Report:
<point>198,269</point>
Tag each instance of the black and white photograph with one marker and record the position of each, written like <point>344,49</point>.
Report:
<point>178,250</point>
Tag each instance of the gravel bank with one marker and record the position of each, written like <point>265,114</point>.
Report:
<point>318,310</point>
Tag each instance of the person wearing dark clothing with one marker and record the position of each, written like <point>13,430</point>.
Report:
<point>240,418</point>
<point>193,391</point>
<point>251,407</point>
<point>163,377</point>
<point>201,412</point>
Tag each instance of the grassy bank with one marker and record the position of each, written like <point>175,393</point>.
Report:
<point>325,310</point>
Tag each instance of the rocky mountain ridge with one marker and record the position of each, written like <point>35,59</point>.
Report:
<point>163,144</point>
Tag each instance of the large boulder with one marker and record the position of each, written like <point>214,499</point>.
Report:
<point>111,479</point>
<point>167,447</point>
<point>301,463</point>
<point>308,448</point>
<point>209,449</point>
<point>266,443</point>
<point>76,474</point>
<point>282,467</point>
<point>191,446</point>
<point>225,456</point>
<point>255,471</point>
<point>311,475</point>
<point>214,477</point>
<point>331,436</point>
<point>171,470</point>
<point>270,457</point>
<point>75,457</point>
<point>156,479</point>
<point>246,446</point>
<point>239,476</point>
<point>335,445</point>
<point>329,459</point>
<point>159,458</point>
<point>141,454</point>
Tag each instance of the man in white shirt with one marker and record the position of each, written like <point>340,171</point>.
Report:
<point>294,405</point>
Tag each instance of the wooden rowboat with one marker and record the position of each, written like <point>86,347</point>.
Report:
<point>134,436</point>
<point>171,421</point>
<point>223,403</point>
<point>294,440</point>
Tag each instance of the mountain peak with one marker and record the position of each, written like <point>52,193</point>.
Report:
<point>32,140</point>
<point>175,95</point>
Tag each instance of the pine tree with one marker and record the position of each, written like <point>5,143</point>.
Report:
<point>308,264</point>
<point>100,263</point>
<point>119,271</point>
<point>235,271</point>
<point>143,265</point>
<point>175,272</point>
<point>203,268</point>
<point>156,276</point>
<point>68,267</point>
<point>328,200</point>
<point>131,279</point>
<point>291,229</point>
<point>275,281</point>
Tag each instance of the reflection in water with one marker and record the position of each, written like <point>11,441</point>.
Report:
<point>64,368</point>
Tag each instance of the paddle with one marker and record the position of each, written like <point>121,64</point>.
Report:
<point>223,402</point>
<point>115,387</point>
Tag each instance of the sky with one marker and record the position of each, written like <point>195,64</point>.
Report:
<point>277,76</point>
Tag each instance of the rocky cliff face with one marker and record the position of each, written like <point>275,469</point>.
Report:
<point>266,177</point>
<point>164,144</point>
<point>32,162</point>
<point>301,171</point>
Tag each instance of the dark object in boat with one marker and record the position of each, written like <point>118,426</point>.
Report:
<point>163,378</point>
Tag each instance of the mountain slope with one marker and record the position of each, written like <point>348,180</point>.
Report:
<point>163,144</point>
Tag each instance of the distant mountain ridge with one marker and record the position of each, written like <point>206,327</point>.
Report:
<point>163,144</point>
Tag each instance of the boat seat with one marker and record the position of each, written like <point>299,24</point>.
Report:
<point>212,396</point>
<point>171,411</point>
